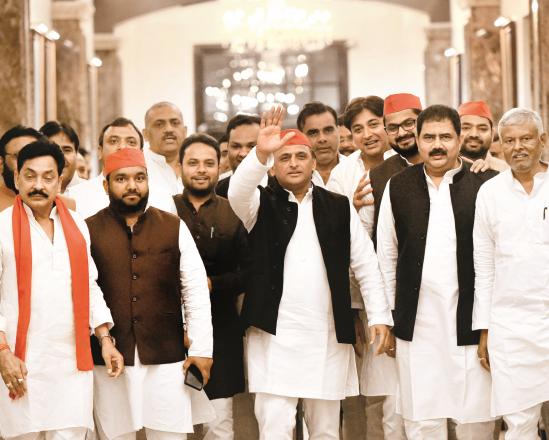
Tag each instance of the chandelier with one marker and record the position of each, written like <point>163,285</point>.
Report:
<point>277,25</point>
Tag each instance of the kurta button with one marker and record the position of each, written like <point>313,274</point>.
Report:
<point>422,237</point>
<point>285,222</point>
<point>419,264</point>
<point>135,320</point>
<point>416,289</point>
<point>134,256</point>
<point>134,298</point>
<point>289,209</point>
<point>134,276</point>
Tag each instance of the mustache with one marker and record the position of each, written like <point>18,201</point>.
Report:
<point>472,138</point>
<point>37,192</point>
<point>404,138</point>
<point>436,151</point>
<point>168,135</point>
<point>131,193</point>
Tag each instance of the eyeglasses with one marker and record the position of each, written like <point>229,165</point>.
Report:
<point>407,125</point>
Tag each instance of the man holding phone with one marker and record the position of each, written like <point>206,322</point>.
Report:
<point>148,267</point>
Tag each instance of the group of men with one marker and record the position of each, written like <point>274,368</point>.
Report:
<point>378,252</point>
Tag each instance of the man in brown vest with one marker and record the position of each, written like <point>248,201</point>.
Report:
<point>148,267</point>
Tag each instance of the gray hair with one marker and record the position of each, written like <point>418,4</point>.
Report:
<point>519,116</point>
<point>159,105</point>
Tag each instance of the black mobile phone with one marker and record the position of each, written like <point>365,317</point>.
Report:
<point>193,377</point>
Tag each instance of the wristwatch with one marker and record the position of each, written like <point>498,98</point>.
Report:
<point>108,335</point>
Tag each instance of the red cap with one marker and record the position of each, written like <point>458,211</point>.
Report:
<point>299,137</point>
<point>476,108</point>
<point>124,158</point>
<point>401,101</point>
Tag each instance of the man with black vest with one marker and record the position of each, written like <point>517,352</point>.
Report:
<point>303,240</point>
<point>148,267</point>
<point>425,251</point>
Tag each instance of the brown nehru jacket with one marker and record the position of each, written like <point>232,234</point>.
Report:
<point>140,279</point>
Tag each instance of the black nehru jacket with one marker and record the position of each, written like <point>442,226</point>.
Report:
<point>139,274</point>
<point>222,242</point>
<point>222,187</point>
<point>411,203</point>
<point>379,176</point>
<point>269,238</point>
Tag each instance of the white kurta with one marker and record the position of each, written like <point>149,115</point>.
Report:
<point>161,174</point>
<point>511,238</point>
<point>304,358</point>
<point>155,396</point>
<point>90,197</point>
<point>59,396</point>
<point>437,378</point>
<point>378,375</point>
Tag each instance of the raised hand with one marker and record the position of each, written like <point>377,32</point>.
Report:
<point>269,139</point>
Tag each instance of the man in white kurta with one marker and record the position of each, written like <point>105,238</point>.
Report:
<point>512,279</point>
<point>438,379</point>
<point>165,131</point>
<point>59,397</point>
<point>90,195</point>
<point>304,358</point>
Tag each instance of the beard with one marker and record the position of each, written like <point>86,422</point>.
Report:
<point>122,208</point>
<point>199,192</point>
<point>9,178</point>
<point>407,152</point>
<point>474,153</point>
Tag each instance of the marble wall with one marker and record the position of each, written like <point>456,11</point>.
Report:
<point>15,69</point>
<point>483,71</point>
<point>73,88</point>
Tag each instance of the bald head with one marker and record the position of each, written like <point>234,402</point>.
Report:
<point>164,129</point>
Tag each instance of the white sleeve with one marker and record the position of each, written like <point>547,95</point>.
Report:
<point>196,296</point>
<point>387,246</point>
<point>243,194</point>
<point>484,251</point>
<point>3,320</point>
<point>366,215</point>
<point>365,268</point>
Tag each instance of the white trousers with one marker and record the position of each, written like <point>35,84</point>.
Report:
<point>222,427</point>
<point>393,423</point>
<point>61,434</point>
<point>523,425</point>
<point>151,434</point>
<point>276,417</point>
<point>437,429</point>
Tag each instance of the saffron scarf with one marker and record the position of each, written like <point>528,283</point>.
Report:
<point>78,257</point>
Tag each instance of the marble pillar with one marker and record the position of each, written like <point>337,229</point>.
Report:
<point>70,19</point>
<point>109,80</point>
<point>438,85</point>
<point>540,55</point>
<point>16,87</point>
<point>483,62</point>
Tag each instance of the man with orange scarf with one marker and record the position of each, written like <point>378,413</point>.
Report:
<point>49,300</point>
